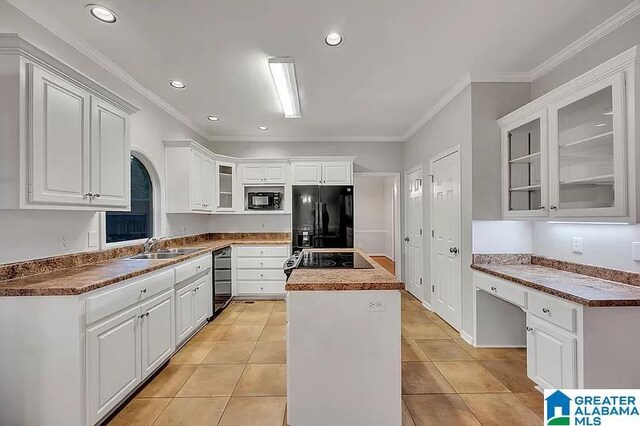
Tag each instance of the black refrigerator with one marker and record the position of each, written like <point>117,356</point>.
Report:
<point>322,217</point>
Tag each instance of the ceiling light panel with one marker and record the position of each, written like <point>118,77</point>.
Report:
<point>283,71</point>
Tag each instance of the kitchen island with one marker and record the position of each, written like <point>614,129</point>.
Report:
<point>343,343</point>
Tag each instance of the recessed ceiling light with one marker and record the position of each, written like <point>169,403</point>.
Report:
<point>101,13</point>
<point>333,39</point>
<point>212,118</point>
<point>177,84</point>
<point>263,128</point>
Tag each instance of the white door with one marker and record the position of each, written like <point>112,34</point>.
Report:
<point>414,253</point>
<point>275,173</point>
<point>252,173</point>
<point>208,181</point>
<point>196,181</point>
<point>113,362</point>
<point>445,250</point>
<point>307,173</point>
<point>157,332</point>
<point>336,174</point>
<point>551,355</point>
<point>59,141</point>
<point>202,301</point>
<point>110,162</point>
<point>184,313</point>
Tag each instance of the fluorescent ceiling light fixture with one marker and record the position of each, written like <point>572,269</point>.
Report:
<point>212,118</point>
<point>333,39</point>
<point>283,72</point>
<point>263,128</point>
<point>177,84</point>
<point>101,13</point>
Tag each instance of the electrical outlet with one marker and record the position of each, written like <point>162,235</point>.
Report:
<point>375,306</point>
<point>576,245</point>
<point>93,239</point>
<point>62,243</point>
<point>635,249</point>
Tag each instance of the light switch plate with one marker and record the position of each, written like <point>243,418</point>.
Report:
<point>635,249</point>
<point>62,243</point>
<point>576,245</point>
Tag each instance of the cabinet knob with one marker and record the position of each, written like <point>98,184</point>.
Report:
<point>261,275</point>
<point>546,310</point>
<point>494,289</point>
<point>198,267</point>
<point>144,290</point>
<point>453,250</point>
<point>88,194</point>
<point>529,329</point>
<point>553,208</point>
<point>141,316</point>
<point>96,195</point>
<point>541,207</point>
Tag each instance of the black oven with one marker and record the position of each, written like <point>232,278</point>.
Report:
<point>264,200</point>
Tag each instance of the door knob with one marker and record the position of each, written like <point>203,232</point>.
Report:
<point>406,239</point>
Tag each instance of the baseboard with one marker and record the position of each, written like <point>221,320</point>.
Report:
<point>467,337</point>
<point>500,346</point>
<point>427,305</point>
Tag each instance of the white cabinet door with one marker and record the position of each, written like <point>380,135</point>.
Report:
<point>157,332</point>
<point>197,174</point>
<point>551,355</point>
<point>252,173</point>
<point>587,160</point>
<point>110,155</point>
<point>336,173</point>
<point>113,362</point>
<point>307,173</point>
<point>184,313</point>
<point>226,186</point>
<point>202,301</point>
<point>275,173</point>
<point>59,141</point>
<point>208,180</point>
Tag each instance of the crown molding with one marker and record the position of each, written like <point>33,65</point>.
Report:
<point>608,26</point>
<point>253,138</point>
<point>61,31</point>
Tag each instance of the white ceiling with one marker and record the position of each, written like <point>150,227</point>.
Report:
<point>398,58</point>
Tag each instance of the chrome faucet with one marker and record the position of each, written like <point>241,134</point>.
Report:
<point>151,244</point>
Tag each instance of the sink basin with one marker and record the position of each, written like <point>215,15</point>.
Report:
<point>165,254</point>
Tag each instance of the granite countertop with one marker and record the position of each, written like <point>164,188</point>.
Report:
<point>329,279</point>
<point>578,288</point>
<point>92,276</point>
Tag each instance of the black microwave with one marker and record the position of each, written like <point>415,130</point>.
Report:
<point>264,200</point>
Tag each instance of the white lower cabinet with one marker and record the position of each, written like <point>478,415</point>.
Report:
<point>551,355</point>
<point>157,332</point>
<point>259,270</point>
<point>113,362</point>
<point>193,306</point>
<point>184,312</point>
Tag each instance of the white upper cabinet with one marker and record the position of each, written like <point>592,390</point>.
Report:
<point>259,174</point>
<point>572,153</point>
<point>110,150</point>
<point>67,138</point>
<point>190,185</point>
<point>322,172</point>
<point>226,179</point>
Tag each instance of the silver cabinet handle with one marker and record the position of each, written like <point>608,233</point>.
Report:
<point>529,329</point>
<point>542,208</point>
<point>147,314</point>
<point>546,310</point>
<point>198,267</point>
<point>88,194</point>
<point>453,250</point>
<point>144,290</point>
<point>406,239</point>
<point>141,316</point>
<point>553,208</point>
<point>494,289</point>
<point>96,195</point>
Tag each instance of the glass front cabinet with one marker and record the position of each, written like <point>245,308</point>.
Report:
<point>572,154</point>
<point>226,175</point>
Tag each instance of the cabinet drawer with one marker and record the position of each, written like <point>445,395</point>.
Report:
<point>553,310</point>
<point>500,288</point>
<point>188,269</point>
<point>263,251</point>
<point>261,263</point>
<point>263,287</point>
<point>134,291</point>
<point>261,274</point>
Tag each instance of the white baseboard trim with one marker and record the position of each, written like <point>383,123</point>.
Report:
<point>499,346</point>
<point>467,337</point>
<point>427,305</point>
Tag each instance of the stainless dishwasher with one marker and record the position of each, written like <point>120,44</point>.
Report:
<point>221,279</point>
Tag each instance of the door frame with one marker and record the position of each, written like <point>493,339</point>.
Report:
<point>397,230</point>
<point>406,219</point>
<point>432,251</point>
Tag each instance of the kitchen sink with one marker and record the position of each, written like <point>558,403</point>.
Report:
<point>164,254</point>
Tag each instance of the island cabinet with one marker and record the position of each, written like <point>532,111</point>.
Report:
<point>258,270</point>
<point>572,153</point>
<point>75,358</point>
<point>67,138</point>
<point>569,345</point>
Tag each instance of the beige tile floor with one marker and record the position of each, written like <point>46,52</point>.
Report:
<point>233,372</point>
